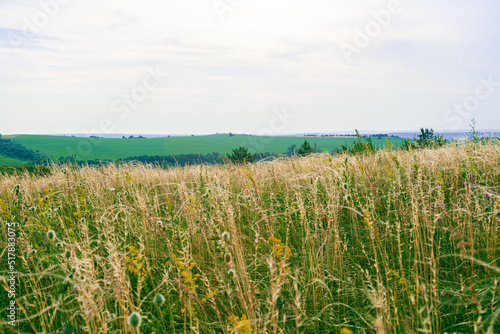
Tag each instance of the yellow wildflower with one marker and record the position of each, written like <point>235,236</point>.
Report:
<point>241,325</point>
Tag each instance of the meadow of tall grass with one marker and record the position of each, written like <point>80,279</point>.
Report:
<point>391,242</point>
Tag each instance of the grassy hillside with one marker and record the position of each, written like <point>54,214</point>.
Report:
<point>396,242</point>
<point>96,148</point>
<point>11,162</point>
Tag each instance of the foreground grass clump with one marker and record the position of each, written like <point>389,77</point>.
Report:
<point>395,242</point>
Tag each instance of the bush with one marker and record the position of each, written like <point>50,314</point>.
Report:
<point>305,148</point>
<point>426,138</point>
<point>360,146</point>
<point>241,155</point>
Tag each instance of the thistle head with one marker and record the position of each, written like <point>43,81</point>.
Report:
<point>51,235</point>
<point>134,320</point>
<point>159,299</point>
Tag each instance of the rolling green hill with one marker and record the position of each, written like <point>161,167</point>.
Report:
<point>107,148</point>
<point>11,162</point>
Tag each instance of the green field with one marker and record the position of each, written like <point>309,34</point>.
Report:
<point>97,148</point>
<point>11,162</point>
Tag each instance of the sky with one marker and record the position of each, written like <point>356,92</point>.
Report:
<point>247,66</point>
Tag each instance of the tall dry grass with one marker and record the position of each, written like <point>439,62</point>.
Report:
<point>396,242</point>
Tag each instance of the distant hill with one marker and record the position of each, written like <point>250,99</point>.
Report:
<point>107,148</point>
<point>11,162</point>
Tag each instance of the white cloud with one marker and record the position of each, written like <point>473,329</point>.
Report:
<point>263,55</point>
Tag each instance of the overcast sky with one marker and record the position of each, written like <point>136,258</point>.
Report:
<point>247,66</point>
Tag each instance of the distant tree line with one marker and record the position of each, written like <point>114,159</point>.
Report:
<point>165,160</point>
<point>132,137</point>
<point>16,151</point>
<point>176,160</point>
<point>377,135</point>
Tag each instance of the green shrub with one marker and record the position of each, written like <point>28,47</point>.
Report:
<point>241,155</point>
<point>360,146</point>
